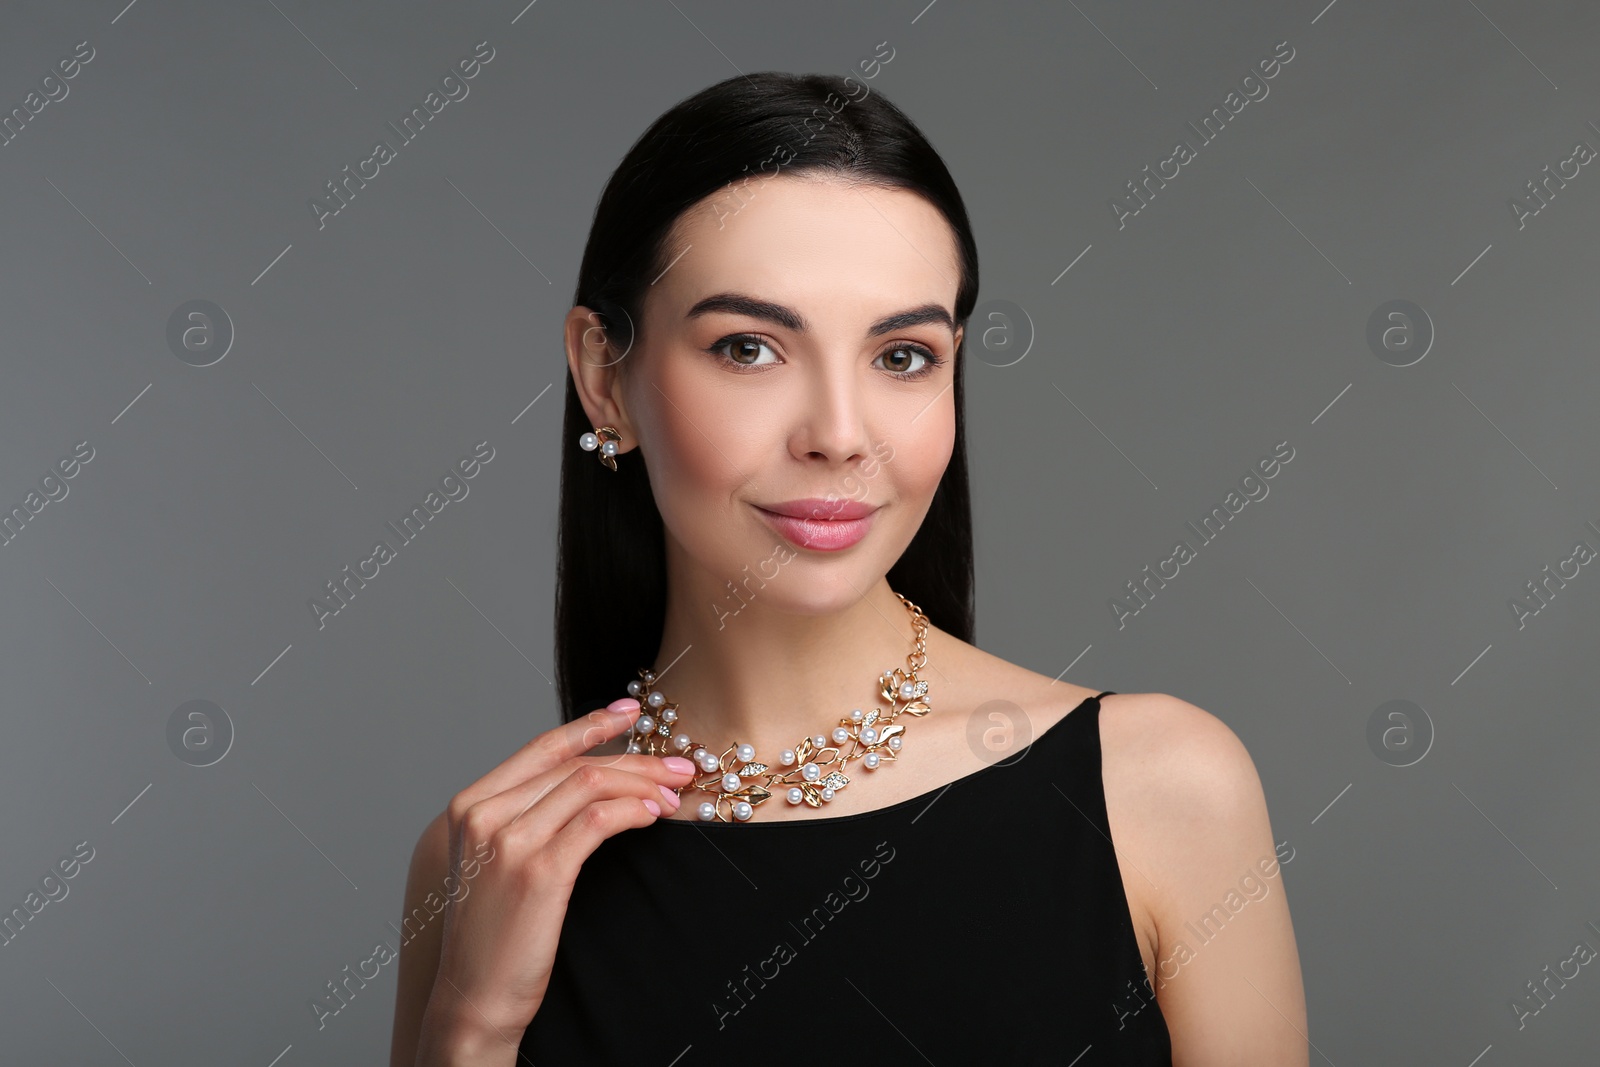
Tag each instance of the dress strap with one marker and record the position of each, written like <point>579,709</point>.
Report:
<point>1107,693</point>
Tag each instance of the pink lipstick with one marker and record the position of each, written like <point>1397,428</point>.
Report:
<point>816,523</point>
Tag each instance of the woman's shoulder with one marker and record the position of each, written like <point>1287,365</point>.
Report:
<point>1180,786</point>
<point>1154,732</point>
<point>1185,809</point>
<point>1179,783</point>
<point>1184,802</point>
<point>1167,764</point>
<point>1160,740</point>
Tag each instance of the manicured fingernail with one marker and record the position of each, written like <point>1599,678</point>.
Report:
<point>653,807</point>
<point>622,704</point>
<point>670,797</point>
<point>678,764</point>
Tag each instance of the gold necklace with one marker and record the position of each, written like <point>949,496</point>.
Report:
<point>873,736</point>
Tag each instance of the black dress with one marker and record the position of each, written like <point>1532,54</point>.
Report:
<point>984,922</point>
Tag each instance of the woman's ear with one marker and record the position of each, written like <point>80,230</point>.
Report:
<point>595,361</point>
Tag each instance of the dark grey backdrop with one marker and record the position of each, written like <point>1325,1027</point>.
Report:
<point>1118,400</point>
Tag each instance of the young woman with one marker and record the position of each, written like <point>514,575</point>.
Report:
<point>836,829</point>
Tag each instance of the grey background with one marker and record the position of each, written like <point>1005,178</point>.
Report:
<point>1228,316</point>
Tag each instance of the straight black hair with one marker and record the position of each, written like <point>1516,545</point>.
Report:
<point>611,581</point>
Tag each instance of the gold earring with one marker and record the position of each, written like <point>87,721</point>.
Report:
<point>605,439</point>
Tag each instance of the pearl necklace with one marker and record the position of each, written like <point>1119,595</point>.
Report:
<point>873,737</point>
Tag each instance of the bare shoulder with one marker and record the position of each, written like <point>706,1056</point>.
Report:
<point>1174,754</point>
<point>1194,845</point>
<point>1183,799</point>
<point>1193,838</point>
<point>419,950</point>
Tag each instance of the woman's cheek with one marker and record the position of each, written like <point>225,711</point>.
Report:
<point>694,483</point>
<point>921,463</point>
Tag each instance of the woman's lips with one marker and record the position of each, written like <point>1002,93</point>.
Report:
<point>824,535</point>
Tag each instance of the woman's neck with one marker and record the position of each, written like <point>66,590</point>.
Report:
<point>755,671</point>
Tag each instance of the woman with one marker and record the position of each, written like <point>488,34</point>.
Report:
<point>836,827</point>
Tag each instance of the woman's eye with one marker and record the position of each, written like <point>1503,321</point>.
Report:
<point>745,351</point>
<point>902,361</point>
<point>905,361</point>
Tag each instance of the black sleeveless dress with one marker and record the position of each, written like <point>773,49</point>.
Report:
<point>984,922</point>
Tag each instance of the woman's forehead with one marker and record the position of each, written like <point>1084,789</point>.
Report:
<point>825,247</point>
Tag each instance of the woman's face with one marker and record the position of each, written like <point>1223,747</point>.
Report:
<point>797,357</point>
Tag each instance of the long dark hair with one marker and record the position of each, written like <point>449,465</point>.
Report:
<point>611,581</point>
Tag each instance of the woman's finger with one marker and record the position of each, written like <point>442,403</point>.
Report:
<point>549,749</point>
<point>647,777</point>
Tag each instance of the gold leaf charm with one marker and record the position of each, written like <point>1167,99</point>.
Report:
<point>809,794</point>
<point>917,707</point>
<point>753,793</point>
<point>886,733</point>
<point>836,780</point>
<point>802,752</point>
<point>750,770</point>
<point>870,718</point>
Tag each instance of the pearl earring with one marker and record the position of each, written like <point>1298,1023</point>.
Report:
<point>604,438</point>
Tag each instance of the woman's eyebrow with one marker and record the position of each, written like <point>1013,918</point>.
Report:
<point>789,319</point>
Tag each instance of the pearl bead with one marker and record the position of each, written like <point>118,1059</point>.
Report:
<point>796,794</point>
<point>907,691</point>
<point>655,700</point>
<point>588,442</point>
<point>731,783</point>
<point>811,772</point>
<point>681,742</point>
<point>698,754</point>
<point>855,715</point>
<point>649,676</point>
<point>634,688</point>
<point>820,741</point>
<point>894,742</point>
<point>827,792</point>
<point>644,724</point>
<point>742,810</point>
<point>669,715</point>
<point>633,747</point>
<point>708,811</point>
<point>746,753</point>
<point>709,763</point>
<point>868,735</point>
<point>609,448</point>
<point>786,757</point>
<point>871,760</point>
<point>840,735</point>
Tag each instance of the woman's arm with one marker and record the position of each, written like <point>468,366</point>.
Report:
<point>1188,814</point>
<point>461,1040</point>
<point>505,855</point>
<point>419,957</point>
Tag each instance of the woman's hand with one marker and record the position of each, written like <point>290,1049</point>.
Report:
<point>526,828</point>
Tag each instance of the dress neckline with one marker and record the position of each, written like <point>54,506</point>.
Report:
<point>898,806</point>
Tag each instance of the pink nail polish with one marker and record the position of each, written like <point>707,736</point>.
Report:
<point>678,764</point>
<point>622,704</point>
<point>670,797</point>
<point>653,807</point>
